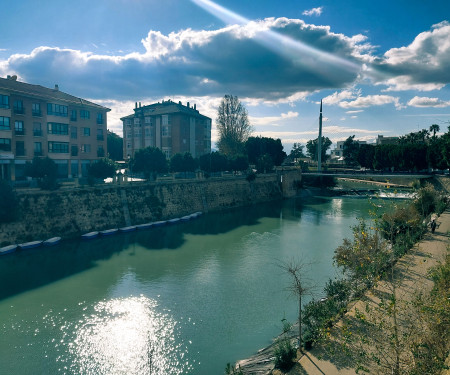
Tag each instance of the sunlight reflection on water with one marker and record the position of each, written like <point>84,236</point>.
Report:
<point>126,336</point>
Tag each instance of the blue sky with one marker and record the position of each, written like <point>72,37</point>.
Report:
<point>381,67</point>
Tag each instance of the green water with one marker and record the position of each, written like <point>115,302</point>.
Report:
<point>181,299</point>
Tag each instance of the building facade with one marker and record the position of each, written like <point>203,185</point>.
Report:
<point>38,121</point>
<point>338,153</point>
<point>172,127</point>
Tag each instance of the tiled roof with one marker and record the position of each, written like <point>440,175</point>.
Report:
<point>27,89</point>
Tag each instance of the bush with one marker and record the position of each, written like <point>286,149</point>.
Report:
<point>427,200</point>
<point>285,354</point>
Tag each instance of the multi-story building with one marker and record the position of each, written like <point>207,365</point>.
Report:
<point>338,152</point>
<point>382,140</point>
<point>38,121</point>
<point>169,126</point>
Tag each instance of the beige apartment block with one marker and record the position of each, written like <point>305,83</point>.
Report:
<point>172,127</point>
<point>38,121</point>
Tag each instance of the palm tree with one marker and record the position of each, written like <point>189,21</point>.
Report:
<point>434,129</point>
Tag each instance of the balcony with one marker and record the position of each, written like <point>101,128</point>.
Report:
<point>37,153</point>
<point>37,132</point>
<point>73,118</point>
<point>20,152</point>
<point>4,106</point>
<point>19,110</point>
<point>36,113</point>
<point>19,131</point>
<point>5,147</point>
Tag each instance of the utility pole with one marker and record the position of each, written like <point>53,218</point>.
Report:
<point>319,142</point>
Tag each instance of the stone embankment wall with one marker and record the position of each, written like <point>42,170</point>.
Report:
<point>69,213</point>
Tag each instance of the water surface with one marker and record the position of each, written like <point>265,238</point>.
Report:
<point>182,299</point>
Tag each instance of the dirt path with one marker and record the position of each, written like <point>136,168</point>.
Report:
<point>413,267</point>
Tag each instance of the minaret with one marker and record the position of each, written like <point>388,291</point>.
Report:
<point>319,142</point>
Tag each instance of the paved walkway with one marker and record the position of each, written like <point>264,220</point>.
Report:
<point>413,267</point>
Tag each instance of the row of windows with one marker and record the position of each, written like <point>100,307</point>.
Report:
<point>52,109</point>
<point>53,147</point>
<point>52,128</point>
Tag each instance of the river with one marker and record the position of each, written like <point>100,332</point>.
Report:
<point>181,299</point>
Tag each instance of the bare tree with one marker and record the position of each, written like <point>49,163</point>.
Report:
<point>233,126</point>
<point>297,269</point>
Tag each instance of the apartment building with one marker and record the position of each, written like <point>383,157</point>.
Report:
<point>338,152</point>
<point>38,121</point>
<point>172,127</point>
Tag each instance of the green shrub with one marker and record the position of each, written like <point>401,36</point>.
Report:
<point>285,354</point>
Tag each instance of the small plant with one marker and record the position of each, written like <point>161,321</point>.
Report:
<point>285,354</point>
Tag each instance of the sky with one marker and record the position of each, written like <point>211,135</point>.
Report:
<point>380,67</point>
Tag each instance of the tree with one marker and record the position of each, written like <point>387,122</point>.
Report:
<point>264,164</point>
<point>298,287</point>
<point>311,148</point>
<point>239,163</point>
<point>434,129</point>
<point>115,146</point>
<point>149,161</point>
<point>350,151</point>
<point>297,151</point>
<point>183,163</point>
<point>213,162</point>
<point>102,168</point>
<point>45,170</point>
<point>257,147</point>
<point>233,125</point>
<point>366,155</point>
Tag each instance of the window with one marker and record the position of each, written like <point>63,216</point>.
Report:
<point>137,121</point>
<point>148,132</point>
<point>128,133</point>
<point>18,107</point>
<point>128,122</point>
<point>18,128</point>
<point>5,144</point>
<point>85,114</point>
<point>86,148</point>
<point>36,109</point>
<point>86,132</point>
<point>137,132</point>
<point>100,135</point>
<point>57,128</point>
<point>128,145</point>
<point>4,101</point>
<point>166,120</point>
<point>37,149</point>
<point>56,110</point>
<point>37,129</point>
<point>166,131</point>
<point>4,123</point>
<point>20,148</point>
<point>100,152</point>
<point>99,118</point>
<point>167,152</point>
<point>73,115</point>
<point>58,147</point>
<point>148,120</point>
<point>74,150</point>
<point>73,132</point>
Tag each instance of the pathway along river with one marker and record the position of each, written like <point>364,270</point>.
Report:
<point>182,299</point>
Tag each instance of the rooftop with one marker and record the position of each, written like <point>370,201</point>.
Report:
<point>26,89</point>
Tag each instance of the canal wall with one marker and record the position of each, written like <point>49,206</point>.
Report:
<point>68,213</point>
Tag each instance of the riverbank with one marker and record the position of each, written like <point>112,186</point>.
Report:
<point>414,270</point>
<point>69,213</point>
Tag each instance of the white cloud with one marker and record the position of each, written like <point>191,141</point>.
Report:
<point>371,100</point>
<point>357,111</point>
<point>422,65</point>
<point>313,12</point>
<point>428,102</point>
<point>272,120</point>
<point>337,97</point>
<point>299,59</point>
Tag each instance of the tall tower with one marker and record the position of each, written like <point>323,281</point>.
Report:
<point>319,142</point>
